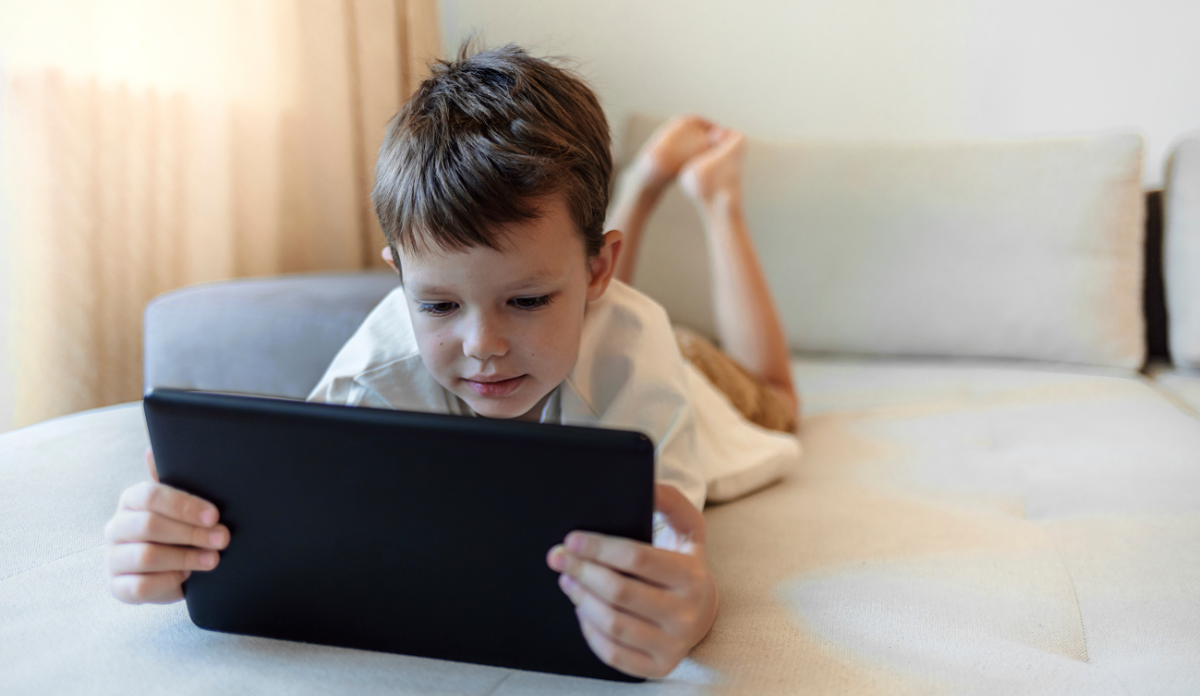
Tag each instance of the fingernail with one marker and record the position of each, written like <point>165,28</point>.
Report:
<point>566,583</point>
<point>208,559</point>
<point>576,542</point>
<point>557,558</point>
<point>216,538</point>
<point>208,517</point>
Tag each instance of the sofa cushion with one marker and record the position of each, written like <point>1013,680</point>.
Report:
<point>954,528</point>
<point>1027,249</point>
<point>1179,384</point>
<point>271,336</point>
<point>1181,252</point>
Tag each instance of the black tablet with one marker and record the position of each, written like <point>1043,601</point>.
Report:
<point>402,532</point>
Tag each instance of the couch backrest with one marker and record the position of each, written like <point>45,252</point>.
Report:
<point>1022,249</point>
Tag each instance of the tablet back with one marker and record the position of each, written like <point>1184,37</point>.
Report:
<point>402,532</point>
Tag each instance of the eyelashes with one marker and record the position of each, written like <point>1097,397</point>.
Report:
<point>530,302</point>
<point>441,309</point>
<point>437,309</point>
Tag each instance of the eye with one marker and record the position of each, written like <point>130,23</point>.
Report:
<point>437,309</point>
<point>530,302</point>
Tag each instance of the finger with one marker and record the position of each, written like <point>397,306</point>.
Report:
<point>657,566</point>
<point>627,593</point>
<point>174,503</point>
<point>151,466</point>
<point>680,514</point>
<point>148,588</point>
<point>625,628</point>
<point>621,657</point>
<point>135,525</point>
<point>158,558</point>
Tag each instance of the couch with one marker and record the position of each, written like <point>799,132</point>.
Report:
<point>1000,491</point>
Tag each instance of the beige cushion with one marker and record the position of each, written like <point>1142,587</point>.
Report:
<point>1181,385</point>
<point>991,249</point>
<point>1181,252</point>
<point>953,528</point>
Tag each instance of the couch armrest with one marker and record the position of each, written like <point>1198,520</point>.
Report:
<point>1181,251</point>
<point>269,336</point>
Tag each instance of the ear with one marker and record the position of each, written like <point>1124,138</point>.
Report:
<point>602,265</point>
<point>387,256</point>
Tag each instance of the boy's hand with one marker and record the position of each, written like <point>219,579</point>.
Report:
<point>671,146</point>
<point>157,537</point>
<point>641,608</point>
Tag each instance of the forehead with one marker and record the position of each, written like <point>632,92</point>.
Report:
<point>540,250</point>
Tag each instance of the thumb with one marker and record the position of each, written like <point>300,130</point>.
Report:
<point>679,513</point>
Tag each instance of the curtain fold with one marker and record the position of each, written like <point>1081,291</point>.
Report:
<point>146,145</point>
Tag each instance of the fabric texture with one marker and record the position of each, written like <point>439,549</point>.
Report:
<point>152,144</point>
<point>629,374</point>
<point>954,527</point>
<point>267,336</point>
<point>1181,252</point>
<point>1182,385</point>
<point>1024,249</point>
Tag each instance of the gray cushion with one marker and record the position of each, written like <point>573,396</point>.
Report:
<point>272,336</point>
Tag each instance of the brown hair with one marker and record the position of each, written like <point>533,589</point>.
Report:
<point>480,141</point>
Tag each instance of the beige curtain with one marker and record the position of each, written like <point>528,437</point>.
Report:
<point>151,144</point>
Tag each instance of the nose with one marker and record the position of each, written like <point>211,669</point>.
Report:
<point>484,339</point>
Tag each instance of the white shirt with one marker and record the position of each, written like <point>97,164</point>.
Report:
<point>629,375</point>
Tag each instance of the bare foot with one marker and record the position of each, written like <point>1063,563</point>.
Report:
<point>717,171</point>
<point>671,146</point>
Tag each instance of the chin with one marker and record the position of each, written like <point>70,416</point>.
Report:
<point>497,409</point>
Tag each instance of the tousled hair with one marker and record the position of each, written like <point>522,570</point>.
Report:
<point>482,140</point>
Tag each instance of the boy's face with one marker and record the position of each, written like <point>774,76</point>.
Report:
<point>501,329</point>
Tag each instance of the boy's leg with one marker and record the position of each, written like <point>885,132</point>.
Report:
<point>707,159</point>
<point>655,167</point>
<point>748,323</point>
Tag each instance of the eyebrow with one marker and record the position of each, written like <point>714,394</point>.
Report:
<point>423,290</point>
<point>530,281</point>
<point>533,280</point>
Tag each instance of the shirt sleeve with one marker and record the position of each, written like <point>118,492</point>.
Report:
<point>675,459</point>
<point>631,375</point>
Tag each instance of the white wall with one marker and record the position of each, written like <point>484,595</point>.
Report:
<point>891,69</point>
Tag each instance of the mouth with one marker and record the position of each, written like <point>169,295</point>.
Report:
<point>495,386</point>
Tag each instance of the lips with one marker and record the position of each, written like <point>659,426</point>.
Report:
<point>494,387</point>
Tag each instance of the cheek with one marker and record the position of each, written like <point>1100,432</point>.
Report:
<point>558,341</point>
<point>437,346</point>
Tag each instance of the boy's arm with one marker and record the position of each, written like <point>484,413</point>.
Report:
<point>641,608</point>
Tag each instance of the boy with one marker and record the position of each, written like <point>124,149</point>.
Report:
<point>491,187</point>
